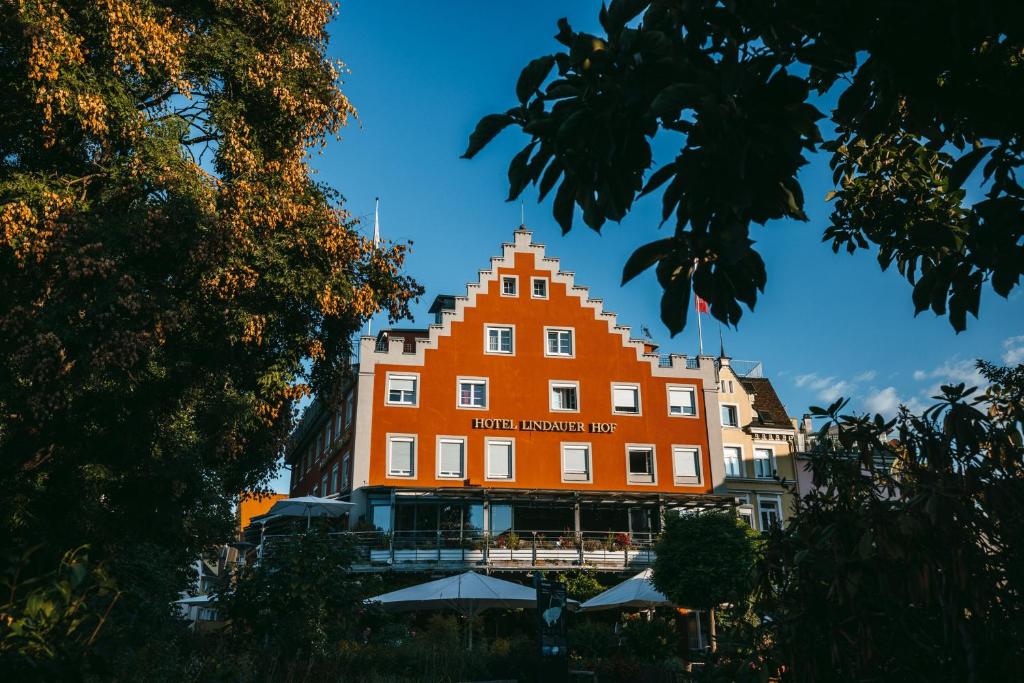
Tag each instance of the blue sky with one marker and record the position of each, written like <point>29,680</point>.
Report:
<point>422,74</point>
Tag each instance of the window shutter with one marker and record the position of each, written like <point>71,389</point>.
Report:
<point>685,462</point>
<point>625,398</point>
<point>576,460</point>
<point>681,401</point>
<point>499,460</point>
<point>451,458</point>
<point>401,456</point>
<point>403,384</point>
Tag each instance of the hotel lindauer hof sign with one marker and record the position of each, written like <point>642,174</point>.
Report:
<point>544,425</point>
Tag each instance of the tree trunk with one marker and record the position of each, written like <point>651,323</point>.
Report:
<point>712,630</point>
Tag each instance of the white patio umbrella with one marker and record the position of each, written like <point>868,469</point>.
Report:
<point>637,591</point>
<point>309,507</point>
<point>469,594</point>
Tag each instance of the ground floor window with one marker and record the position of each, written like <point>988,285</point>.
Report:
<point>641,465</point>
<point>771,512</point>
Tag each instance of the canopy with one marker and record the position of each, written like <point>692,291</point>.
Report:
<point>468,593</point>
<point>637,591</point>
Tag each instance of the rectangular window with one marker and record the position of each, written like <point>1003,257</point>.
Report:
<point>499,339</point>
<point>323,485</point>
<point>499,459</point>
<point>744,510</point>
<point>402,390</point>
<point>308,459</point>
<point>625,399</point>
<point>451,458</point>
<point>559,343</point>
<point>472,393</point>
<point>348,409</point>
<point>540,288</point>
<point>682,401</point>
<point>402,456</point>
<point>509,285</point>
<point>733,461</point>
<point>641,465</point>
<point>764,463</point>
<point>730,417</point>
<point>565,396</point>
<point>771,515</point>
<point>344,470</point>
<point>686,463</point>
<point>575,462</point>
<point>334,478</point>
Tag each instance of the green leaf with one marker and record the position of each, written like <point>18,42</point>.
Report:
<point>658,178</point>
<point>532,76</point>
<point>488,127</point>
<point>646,256</point>
<point>517,171</point>
<point>675,97</point>
<point>563,205</point>
<point>963,166</point>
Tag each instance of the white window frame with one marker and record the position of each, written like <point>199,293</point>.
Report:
<point>460,380</point>
<point>499,326</point>
<point>692,388</point>
<point>572,341</point>
<point>735,407</point>
<point>552,384</point>
<point>349,409</point>
<point>346,463</point>
<point>487,458</point>
<point>415,376</point>
<point>447,438</point>
<point>325,482</point>
<point>654,463</point>
<point>778,509</point>
<point>639,398</point>
<point>743,506</point>
<point>590,461</point>
<point>742,472</point>
<point>547,287</point>
<point>770,458</point>
<point>728,387</point>
<point>676,476</point>
<point>501,285</point>
<point>396,436</point>
<point>334,478</point>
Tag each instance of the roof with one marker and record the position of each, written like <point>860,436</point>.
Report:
<point>443,302</point>
<point>768,405</point>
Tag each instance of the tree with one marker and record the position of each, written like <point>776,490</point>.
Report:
<point>299,601</point>
<point>925,93</point>
<point>705,560</point>
<point>906,562</point>
<point>172,278</point>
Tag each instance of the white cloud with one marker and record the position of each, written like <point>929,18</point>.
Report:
<point>1014,350</point>
<point>866,376</point>
<point>884,401</point>
<point>920,375</point>
<point>953,371</point>
<point>825,388</point>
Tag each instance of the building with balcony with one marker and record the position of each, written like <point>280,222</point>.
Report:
<point>758,444</point>
<point>524,428</point>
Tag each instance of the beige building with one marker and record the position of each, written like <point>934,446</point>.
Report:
<point>758,443</point>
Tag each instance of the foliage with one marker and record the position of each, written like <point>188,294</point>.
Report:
<point>581,584</point>
<point>591,639</point>
<point>301,600</point>
<point>172,278</point>
<point>905,563</point>
<point>923,99</point>
<point>49,623</point>
<point>652,639</point>
<point>705,559</point>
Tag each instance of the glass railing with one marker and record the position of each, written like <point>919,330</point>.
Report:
<point>509,549</point>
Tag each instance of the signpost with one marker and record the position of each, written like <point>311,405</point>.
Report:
<point>552,636</point>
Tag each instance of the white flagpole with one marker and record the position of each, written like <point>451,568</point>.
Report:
<point>700,331</point>
<point>376,243</point>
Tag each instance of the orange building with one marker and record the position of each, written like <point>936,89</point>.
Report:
<point>251,505</point>
<point>524,410</point>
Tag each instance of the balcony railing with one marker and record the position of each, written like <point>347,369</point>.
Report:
<point>419,550</point>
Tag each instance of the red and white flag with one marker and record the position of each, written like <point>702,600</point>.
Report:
<point>701,305</point>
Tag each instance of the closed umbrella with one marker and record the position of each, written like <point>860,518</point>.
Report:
<point>637,591</point>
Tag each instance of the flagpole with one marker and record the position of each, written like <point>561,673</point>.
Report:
<point>376,242</point>
<point>700,333</point>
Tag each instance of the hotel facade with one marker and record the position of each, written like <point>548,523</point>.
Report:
<point>524,428</point>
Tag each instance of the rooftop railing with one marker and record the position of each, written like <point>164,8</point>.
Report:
<point>510,550</point>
